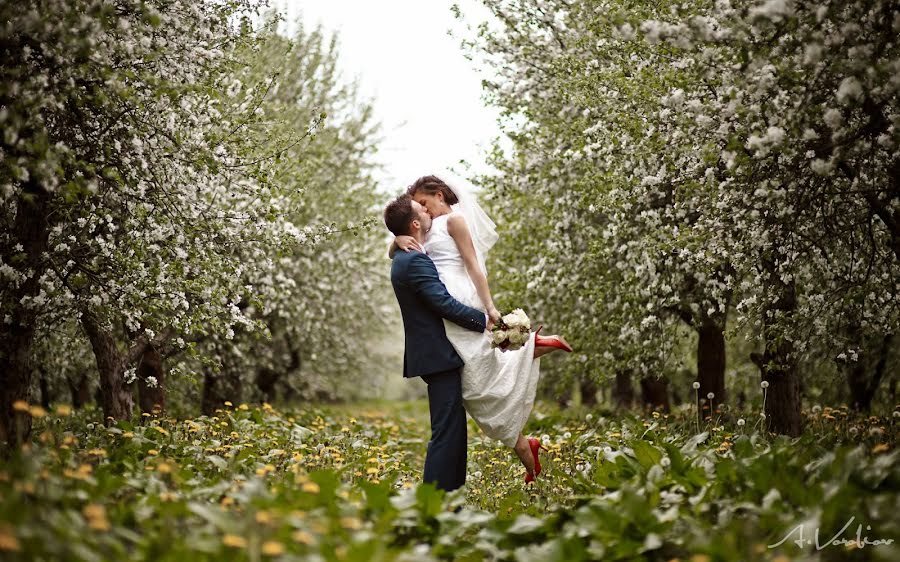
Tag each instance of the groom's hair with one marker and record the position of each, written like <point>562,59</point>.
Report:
<point>431,185</point>
<point>399,214</point>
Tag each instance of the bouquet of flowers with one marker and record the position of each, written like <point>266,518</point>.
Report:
<point>511,332</point>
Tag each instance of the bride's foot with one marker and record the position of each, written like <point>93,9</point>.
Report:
<point>535,446</point>
<point>557,342</point>
<point>523,451</point>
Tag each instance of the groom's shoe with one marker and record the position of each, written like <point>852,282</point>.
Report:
<point>552,341</point>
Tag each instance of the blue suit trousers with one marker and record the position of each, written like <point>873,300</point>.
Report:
<point>445,461</point>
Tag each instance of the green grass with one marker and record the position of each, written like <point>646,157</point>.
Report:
<point>343,483</point>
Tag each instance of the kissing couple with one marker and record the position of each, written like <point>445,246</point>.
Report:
<point>438,272</point>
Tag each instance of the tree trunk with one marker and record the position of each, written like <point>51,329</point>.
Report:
<point>31,230</point>
<point>45,389</point>
<point>655,393</point>
<point>117,400</point>
<point>217,388</point>
<point>864,386</point>
<point>778,361</point>
<point>265,382</point>
<point>710,366</point>
<point>152,398</point>
<point>80,389</point>
<point>588,392</point>
<point>623,391</point>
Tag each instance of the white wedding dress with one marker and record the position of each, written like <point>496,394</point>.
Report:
<point>498,387</point>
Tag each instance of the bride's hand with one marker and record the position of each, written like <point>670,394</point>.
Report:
<point>407,243</point>
<point>494,314</point>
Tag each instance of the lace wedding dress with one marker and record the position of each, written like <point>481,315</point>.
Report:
<point>498,387</point>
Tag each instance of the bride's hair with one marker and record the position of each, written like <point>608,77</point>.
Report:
<point>431,185</point>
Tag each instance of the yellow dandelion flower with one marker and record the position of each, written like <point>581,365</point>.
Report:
<point>128,435</point>
<point>227,500</point>
<point>263,517</point>
<point>164,468</point>
<point>880,448</point>
<point>94,511</point>
<point>304,537</point>
<point>20,406</point>
<point>63,410</point>
<point>700,558</point>
<point>310,487</point>
<point>99,524</point>
<point>351,523</point>
<point>243,407</point>
<point>234,541</point>
<point>8,540</point>
<point>228,403</point>
<point>272,548</point>
<point>152,452</point>
<point>97,452</point>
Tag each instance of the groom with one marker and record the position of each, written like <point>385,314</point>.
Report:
<point>424,303</point>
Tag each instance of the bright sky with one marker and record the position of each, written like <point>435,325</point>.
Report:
<point>426,94</point>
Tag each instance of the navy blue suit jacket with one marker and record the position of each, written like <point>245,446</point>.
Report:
<point>424,303</point>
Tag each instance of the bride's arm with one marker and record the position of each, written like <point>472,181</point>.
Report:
<point>459,230</point>
<point>404,243</point>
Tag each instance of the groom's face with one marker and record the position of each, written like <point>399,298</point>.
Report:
<point>423,216</point>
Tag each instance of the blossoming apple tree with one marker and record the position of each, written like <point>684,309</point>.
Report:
<point>718,160</point>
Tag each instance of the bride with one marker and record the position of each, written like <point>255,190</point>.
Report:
<point>498,387</point>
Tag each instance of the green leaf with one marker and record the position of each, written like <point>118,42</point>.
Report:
<point>645,453</point>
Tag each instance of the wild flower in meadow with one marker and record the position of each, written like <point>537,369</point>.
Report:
<point>8,540</point>
<point>234,541</point>
<point>272,548</point>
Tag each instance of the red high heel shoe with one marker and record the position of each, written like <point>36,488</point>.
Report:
<point>535,445</point>
<point>553,341</point>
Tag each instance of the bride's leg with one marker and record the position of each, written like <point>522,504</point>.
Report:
<point>523,450</point>
<point>541,351</point>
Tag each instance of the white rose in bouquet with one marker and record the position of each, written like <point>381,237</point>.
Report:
<point>517,319</point>
<point>512,331</point>
<point>518,338</point>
